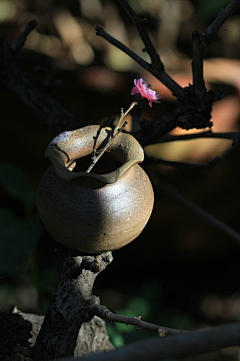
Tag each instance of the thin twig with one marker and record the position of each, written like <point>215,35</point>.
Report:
<point>117,129</point>
<point>234,136</point>
<point>93,156</point>
<point>209,165</point>
<point>213,221</point>
<point>140,26</point>
<point>101,32</point>
<point>21,39</point>
<point>104,313</point>
<point>122,116</point>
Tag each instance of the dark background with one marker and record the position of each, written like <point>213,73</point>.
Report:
<point>180,272</point>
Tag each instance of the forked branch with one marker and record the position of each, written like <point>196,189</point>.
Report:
<point>202,40</point>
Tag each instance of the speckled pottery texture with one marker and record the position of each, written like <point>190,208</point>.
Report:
<point>94,212</point>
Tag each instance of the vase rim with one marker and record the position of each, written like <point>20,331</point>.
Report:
<point>69,146</point>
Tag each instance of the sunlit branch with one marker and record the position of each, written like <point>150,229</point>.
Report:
<point>104,313</point>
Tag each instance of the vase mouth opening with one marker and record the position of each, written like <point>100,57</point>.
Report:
<point>70,153</point>
<point>108,163</point>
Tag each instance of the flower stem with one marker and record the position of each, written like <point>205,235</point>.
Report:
<point>117,129</point>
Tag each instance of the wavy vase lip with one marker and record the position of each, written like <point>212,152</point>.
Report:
<point>70,146</point>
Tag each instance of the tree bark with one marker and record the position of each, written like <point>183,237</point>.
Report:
<point>68,312</point>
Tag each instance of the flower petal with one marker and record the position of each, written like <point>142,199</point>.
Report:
<point>146,91</point>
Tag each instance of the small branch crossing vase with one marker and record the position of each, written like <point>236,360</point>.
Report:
<point>98,211</point>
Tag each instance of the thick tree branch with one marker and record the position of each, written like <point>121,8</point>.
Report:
<point>197,65</point>
<point>186,344</point>
<point>193,113</point>
<point>104,313</point>
<point>68,308</point>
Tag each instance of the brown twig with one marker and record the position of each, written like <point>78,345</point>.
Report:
<point>93,156</point>
<point>104,313</point>
<point>117,129</point>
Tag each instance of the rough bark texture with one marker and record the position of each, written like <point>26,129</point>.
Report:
<point>68,311</point>
<point>92,338</point>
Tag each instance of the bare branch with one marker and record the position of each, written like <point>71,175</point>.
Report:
<point>186,344</point>
<point>201,41</point>
<point>20,41</point>
<point>104,313</point>
<point>197,65</point>
<point>101,32</point>
<point>156,66</point>
<point>213,221</point>
<point>140,26</point>
<point>222,16</point>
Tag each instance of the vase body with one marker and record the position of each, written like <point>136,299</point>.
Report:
<point>94,212</point>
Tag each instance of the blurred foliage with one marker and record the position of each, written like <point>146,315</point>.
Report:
<point>18,234</point>
<point>210,8</point>
<point>146,303</point>
<point>17,238</point>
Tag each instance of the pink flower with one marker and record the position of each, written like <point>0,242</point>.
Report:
<point>146,91</point>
